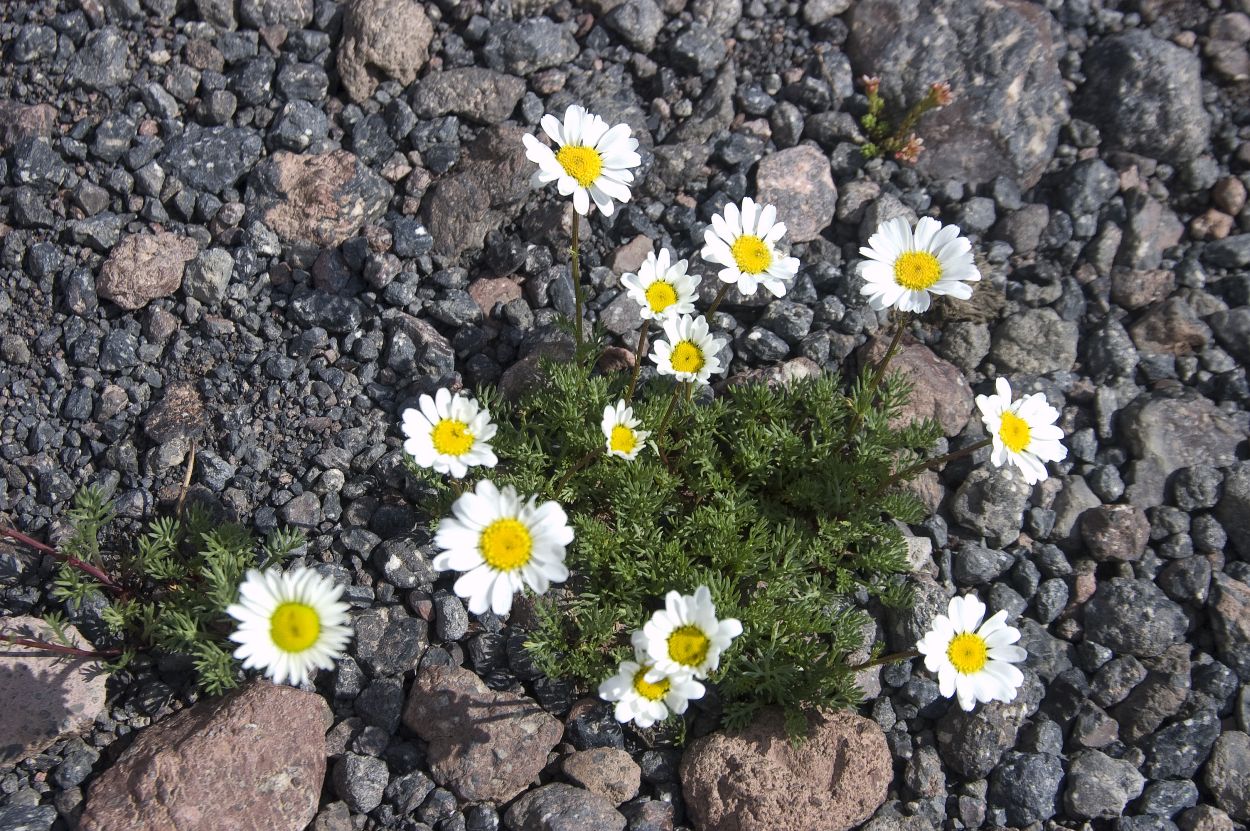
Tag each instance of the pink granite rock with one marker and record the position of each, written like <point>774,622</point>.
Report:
<point>253,760</point>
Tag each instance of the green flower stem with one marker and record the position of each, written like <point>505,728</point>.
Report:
<point>886,659</point>
<point>576,267</point>
<point>58,649</point>
<point>720,295</point>
<point>578,465</point>
<point>879,373</point>
<point>642,342</point>
<point>668,413</point>
<point>908,472</point>
<point>95,571</point>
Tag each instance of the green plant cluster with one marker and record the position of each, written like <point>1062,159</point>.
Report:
<point>168,590</point>
<point>888,139</point>
<point>775,497</point>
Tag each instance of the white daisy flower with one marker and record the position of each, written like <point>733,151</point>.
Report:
<point>620,429</point>
<point>1024,432</point>
<point>973,660</point>
<point>450,433</point>
<point>289,623</point>
<point>502,545</point>
<point>646,696</point>
<point>905,267</point>
<point>591,162</point>
<point>662,288</point>
<point>690,352</point>
<point>744,241</point>
<point>685,635</point>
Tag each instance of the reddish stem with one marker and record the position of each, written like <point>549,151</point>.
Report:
<point>74,562</point>
<point>62,649</point>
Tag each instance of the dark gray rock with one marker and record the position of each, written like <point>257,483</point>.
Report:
<point>1009,95</point>
<point>1026,787</point>
<point>212,159</point>
<point>360,781</point>
<point>560,807</point>
<point>975,565</point>
<point>1230,252</point>
<point>1115,532</point>
<point>638,22</point>
<point>1145,95</point>
<point>1177,751</point>
<point>1087,186</point>
<point>1225,774</point>
<point>16,817</point>
<point>1232,330</point>
<point>535,43</point>
<point>1134,616</point>
<point>388,642</point>
<point>698,50</point>
<point>991,502</point>
<point>1167,433</point>
<point>1099,787</point>
<point>102,62</point>
<point>1034,342</point>
<point>480,95</point>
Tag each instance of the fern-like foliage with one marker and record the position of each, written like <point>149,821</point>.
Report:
<point>171,584</point>
<point>775,497</point>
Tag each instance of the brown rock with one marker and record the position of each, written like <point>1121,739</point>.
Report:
<point>323,199</point>
<point>483,745</point>
<point>1230,619</point>
<point>178,415</point>
<point>1138,289</point>
<point>1211,224</point>
<point>254,759</point>
<point>606,771</point>
<point>20,121</point>
<point>756,780</point>
<point>1225,773</point>
<point>799,182</point>
<point>1116,532</point>
<point>629,257</point>
<point>44,698</point>
<point>143,267</point>
<point>1229,195</point>
<point>1171,327</point>
<point>1204,818</point>
<point>939,389</point>
<point>485,189</point>
<point>489,292</point>
<point>387,38</point>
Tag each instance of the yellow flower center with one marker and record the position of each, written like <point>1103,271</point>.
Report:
<point>294,627</point>
<point>506,544</point>
<point>688,645</point>
<point>649,691</point>
<point>917,270</point>
<point>623,439</point>
<point>582,163</point>
<point>451,437</point>
<point>968,653</point>
<point>660,296</point>
<point>751,254</point>
<point>1014,431</point>
<point>687,357</point>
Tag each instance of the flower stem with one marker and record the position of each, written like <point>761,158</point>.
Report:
<point>82,565</point>
<point>575,264</point>
<point>58,648</point>
<point>878,374</point>
<point>720,295</point>
<point>908,472</point>
<point>642,342</point>
<point>886,659</point>
<point>668,413</point>
<point>568,474</point>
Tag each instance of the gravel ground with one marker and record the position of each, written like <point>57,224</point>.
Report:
<point>346,225</point>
